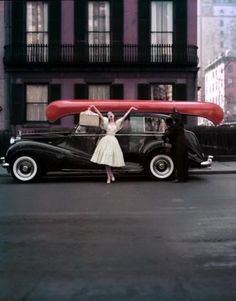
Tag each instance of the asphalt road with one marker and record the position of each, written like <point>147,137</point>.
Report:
<point>81,239</point>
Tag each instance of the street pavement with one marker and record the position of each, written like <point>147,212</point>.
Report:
<point>217,168</point>
<point>132,240</point>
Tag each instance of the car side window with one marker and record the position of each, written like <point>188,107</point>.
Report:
<point>154,124</point>
<point>125,127</point>
<point>88,130</point>
<point>136,124</point>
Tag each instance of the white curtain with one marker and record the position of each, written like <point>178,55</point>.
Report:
<point>162,92</point>
<point>161,22</point>
<point>99,22</point>
<point>99,92</point>
<point>37,22</point>
<point>36,101</point>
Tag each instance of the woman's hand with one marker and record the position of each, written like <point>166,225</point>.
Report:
<point>134,109</point>
<point>91,107</point>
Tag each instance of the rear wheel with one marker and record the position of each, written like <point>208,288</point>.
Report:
<point>160,166</point>
<point>25,169</point>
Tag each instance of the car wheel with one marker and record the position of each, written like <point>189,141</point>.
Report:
<point>25,169</point>
<point>161,166</point>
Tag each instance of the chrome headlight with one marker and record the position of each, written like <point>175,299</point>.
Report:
<point>14,139</point>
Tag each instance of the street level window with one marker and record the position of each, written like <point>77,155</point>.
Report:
<point>99,92</point>
<point>99,31</point>
<point>36,102</point>
<point>162,92</point>
<point>37,31</point>
<point>161,31</point>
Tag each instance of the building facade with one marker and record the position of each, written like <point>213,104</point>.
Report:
<point>220,85</point>
<point>114,49</point>
<point>216,33</point>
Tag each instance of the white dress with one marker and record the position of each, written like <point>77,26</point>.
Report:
<point>108,150</point>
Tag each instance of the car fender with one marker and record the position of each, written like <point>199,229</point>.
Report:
<point>49,155</point>
<point>154,146</point>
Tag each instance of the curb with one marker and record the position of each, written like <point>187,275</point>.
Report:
<point>191,172</point>
<point>208,172</point>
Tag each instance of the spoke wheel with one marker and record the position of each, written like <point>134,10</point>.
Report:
<point>25,169</point>
<point>161,166</point>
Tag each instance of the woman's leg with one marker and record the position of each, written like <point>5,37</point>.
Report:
<point>112,176</point>
<point>108,174</point>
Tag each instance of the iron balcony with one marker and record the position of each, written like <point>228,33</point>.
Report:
<point>22,55</point>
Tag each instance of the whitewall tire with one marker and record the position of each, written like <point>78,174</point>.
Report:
<point>25,169</point>
<point>161,166</point>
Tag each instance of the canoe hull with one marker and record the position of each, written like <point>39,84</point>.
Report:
<point>61,108</point>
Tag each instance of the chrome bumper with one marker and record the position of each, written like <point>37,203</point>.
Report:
<point>3,163</point>
<point>208,162</point>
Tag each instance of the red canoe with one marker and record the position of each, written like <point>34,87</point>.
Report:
<point>61,108</point>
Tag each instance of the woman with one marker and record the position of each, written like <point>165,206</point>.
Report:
<point>108,151</point>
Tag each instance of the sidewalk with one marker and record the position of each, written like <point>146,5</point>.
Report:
<point>217,168</point>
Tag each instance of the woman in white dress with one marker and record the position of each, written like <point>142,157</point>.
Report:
<point>108,151</point>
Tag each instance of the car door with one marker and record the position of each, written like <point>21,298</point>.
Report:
<point>81,144</point>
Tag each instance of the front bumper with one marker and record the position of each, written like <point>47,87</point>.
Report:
<point>3,163</point>
<point>208,162</point>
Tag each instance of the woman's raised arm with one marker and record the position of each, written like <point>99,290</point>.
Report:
<point>96,110</point>
<point>128,112</point>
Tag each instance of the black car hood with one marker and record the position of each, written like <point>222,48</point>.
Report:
<point>52,137</point>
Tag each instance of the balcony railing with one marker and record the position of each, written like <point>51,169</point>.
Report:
<point>79,55</point>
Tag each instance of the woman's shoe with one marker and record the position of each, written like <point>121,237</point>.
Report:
<point>113,179</point>
<point>108,181</point>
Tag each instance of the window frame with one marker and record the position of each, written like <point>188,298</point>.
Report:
<point>164,84</point>
<point>99,52</point>
<point>105,32</point>
<point>161,31</point>
<point>39,53</point>
<point>36,32</point>
<point>38,103</point>
<point>99,85</point>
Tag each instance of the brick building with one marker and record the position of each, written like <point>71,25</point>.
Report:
<point>115,49</point>
<point>216,27</point>
<point>220,85</point>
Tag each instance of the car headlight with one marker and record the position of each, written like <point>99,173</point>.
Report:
<point>14,139</point>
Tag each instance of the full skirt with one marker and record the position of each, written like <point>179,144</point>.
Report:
<point>108,152</point>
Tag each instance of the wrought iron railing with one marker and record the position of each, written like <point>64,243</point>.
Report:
<point>76,55</point>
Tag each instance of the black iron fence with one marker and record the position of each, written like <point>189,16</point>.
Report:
<point>81,54</point>
<point>217,141</point>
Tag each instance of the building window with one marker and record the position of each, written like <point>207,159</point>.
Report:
<point>221,23</point>
<point>99,31</point>
<point>37,30</point>
<point>161,30</point>
<point>162,92</point>
<point>36,102</point>
<point>99,92</point>
<point>230,68</point>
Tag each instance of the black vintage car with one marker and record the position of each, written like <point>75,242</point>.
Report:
<point>141,138</point>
